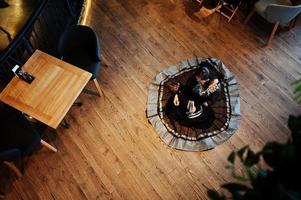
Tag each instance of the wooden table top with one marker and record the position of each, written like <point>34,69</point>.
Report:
<point>48,98</point>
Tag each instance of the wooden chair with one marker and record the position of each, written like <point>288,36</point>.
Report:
<point>228,8</point>
<point>276,12</point>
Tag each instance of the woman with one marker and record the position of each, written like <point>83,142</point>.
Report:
<point>181,107</point>
<point>176,105</point>
<point>203,83</point>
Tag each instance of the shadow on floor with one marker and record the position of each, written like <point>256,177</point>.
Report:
<point>192,7</point>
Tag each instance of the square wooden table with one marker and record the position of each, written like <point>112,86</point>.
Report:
<point>48,98</point>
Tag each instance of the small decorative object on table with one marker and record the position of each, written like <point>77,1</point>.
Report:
<point>18,71</point>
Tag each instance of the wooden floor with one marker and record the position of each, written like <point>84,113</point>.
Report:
<point>112,152</point>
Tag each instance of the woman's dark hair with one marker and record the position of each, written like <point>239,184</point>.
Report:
<point>203,73</point>
<point>173,82</point>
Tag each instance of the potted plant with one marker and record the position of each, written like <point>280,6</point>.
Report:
<point>272,173</point>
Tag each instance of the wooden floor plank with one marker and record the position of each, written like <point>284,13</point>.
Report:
<point>112,152</point>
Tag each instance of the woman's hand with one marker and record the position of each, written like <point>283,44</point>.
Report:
<point>213,85</point>
<point>176,100</point>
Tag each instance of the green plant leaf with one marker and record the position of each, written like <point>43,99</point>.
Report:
<point>231,157</point>
<point>293,195</point>
<point>297,97</point>
<point>296,85</point>
<point>213,195</point>
<point>271,153</point>
<point>294,123</point>
<point>231,167</point>
<point>251,158</point>
<point>241,152</point>
<point>240,178</point>
<point>250,173</point>
<point>297,91</point>
<point>235,187</point>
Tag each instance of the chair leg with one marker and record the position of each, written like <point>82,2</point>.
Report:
<point>272,33</point>
<point>292,23</point>
<point>97,87</point>
<point>13,167</point>
<point>234,12</point>
<point>218,7</point>
<point>65,123</point>
<point>48,146</point>
<point>249,16</point>
<point>295,20</point>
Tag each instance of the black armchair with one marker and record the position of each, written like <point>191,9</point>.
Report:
<point>79,45</point>
<point>18,138</point>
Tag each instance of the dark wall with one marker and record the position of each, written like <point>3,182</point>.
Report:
<point>41,31</point>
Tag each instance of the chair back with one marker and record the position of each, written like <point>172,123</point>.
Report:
<point>79,37</point>
<point>17,134</point>
<point>281,13</point>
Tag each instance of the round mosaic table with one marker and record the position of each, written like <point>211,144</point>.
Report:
<point>226,108</point>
